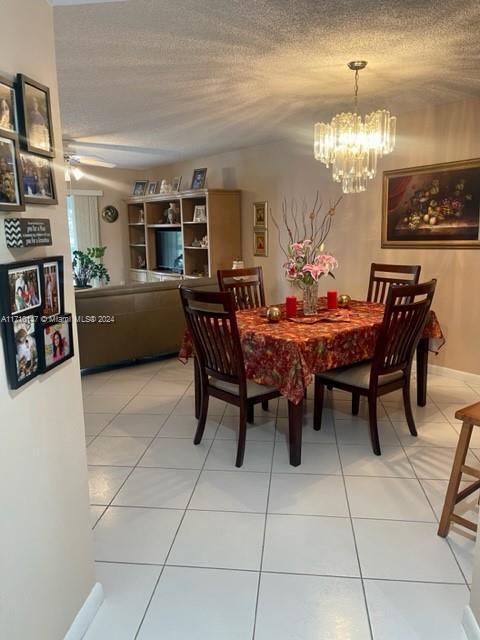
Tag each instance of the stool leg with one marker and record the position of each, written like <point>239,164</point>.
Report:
<point>455,478</point>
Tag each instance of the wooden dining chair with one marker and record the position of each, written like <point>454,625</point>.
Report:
<point>406,311</point>
<point>245,284</point>
<point>211,321</point>
<point>383,276</point>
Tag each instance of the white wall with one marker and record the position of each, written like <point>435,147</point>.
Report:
<point>273,171</point>
<point>46,565</point>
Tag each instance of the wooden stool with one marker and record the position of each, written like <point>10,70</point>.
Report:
<point>471,418</point>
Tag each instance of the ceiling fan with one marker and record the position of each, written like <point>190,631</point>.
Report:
<point>74,160</point>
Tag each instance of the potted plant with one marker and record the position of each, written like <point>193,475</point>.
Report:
<point>86,268</point>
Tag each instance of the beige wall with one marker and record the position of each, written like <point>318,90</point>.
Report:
<point>45,538</point>
<point>117,185</point>
<point>273,171</point>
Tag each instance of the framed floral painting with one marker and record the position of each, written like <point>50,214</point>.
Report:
<point>432,206</point>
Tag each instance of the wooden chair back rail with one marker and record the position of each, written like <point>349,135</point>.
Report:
<point>379,285</point>
<point>245,284</point>
<point>405,316</point>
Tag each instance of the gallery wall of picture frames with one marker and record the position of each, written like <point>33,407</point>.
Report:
<point>26,144</point>
<point>37,333</point>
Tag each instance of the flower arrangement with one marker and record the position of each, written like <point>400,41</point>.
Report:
<point>307,261</point>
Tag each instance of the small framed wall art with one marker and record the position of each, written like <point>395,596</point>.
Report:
<point>56,341</point>
<point>11,179</point>
<point>260,243</point>
<point>35,117</point>
<point>8,108</point>
<point>260,215</point>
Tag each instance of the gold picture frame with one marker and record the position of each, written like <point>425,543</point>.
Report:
<point>260,243</point>
<point>432,206</point>
<point>260,215</point>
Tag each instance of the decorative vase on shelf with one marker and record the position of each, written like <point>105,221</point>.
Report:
<point>310,298</point>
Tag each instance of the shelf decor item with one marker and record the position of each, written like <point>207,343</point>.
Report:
<point>306,260</point>
<point>35,117</point>
<point>140,187</point>
<point>11,180</point>
<point>38,179</point>
<point>200,213</point>
<point>176,182</point>
<point>351,144</point>
<point>198,178</point>
<point>152,188</point>
<point>435,206</point>
<point>8,108</point>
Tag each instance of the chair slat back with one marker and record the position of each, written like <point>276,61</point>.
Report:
<point>384,276</point>
<point>406,312</point>
<point>211,321</point>
<point>245,284</point>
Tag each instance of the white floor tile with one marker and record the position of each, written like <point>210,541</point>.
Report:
<point>404,551</point>
<point>95,513</point>
<point>359,460</point>
<point>310,608</point>
<point>307,494</point>
<point>127,589</point>
<point>229,491</point>
<point>104,482</point>
<point>342,410</point>
<point>201,604</point>
<point>89,439</point>
<point>105,403</point>
<point>310,544</point>
<point>219,539</point>
<point>140,425</point>
<point>135,534</point>
<point>96,422</point>
<point>176,453</point>
<point>167,488</point>
<point>162,387</point>
<point>123,452</point>
<point>388,498</point>
<point>449,409</point>
<point>178,426</point>
<point>434,463</point>
<point>263,430</point>
<point>160,405</point>
<point>316,458</point>
<point>436,491</point>
<point>121,387</point>
<point>222,455</point>
<point>435,434</point>
<point>429,413</point>
<point>355,430</point>
<point>186,407</point>
<point>453,395</point>
<point>416,611</point>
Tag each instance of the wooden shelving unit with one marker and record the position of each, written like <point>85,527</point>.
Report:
<point>222,227</point>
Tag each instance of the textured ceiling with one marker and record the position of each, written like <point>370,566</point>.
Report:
<point>145,82</point>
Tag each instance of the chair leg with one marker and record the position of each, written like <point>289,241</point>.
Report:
<point>355,403</point>
<point>318,404</point>
<point>202,418</point>
<point>372,417</point>
<point>250,414</point>
<point>265,405</point>
<point>408,409</point>
<point>242,434</point>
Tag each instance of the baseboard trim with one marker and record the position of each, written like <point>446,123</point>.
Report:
<point>469,378</point>
<point>87,613</point>
<point>470,625</point>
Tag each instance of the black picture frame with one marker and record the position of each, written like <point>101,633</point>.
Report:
<point>35,123</point>
<point>22,344</point>
<point>26,276</point>
<point>198,178</point>
<point>52,274</point>
<point>11,176</point>
<point>7,93</point>
<point>38,179</point>
<point>139,188</point>
<point>57,333</point>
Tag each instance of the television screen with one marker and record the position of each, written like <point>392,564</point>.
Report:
<point>169,250</point>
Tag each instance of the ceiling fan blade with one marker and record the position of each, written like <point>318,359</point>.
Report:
<point>95,162</point>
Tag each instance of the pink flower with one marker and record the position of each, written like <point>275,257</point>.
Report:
<point>315,270</point>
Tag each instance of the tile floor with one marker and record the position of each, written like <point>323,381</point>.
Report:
<point>342,547</point>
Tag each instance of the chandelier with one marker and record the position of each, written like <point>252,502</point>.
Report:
<point>352,145</point>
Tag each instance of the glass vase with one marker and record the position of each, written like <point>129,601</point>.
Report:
<point>310,298</point>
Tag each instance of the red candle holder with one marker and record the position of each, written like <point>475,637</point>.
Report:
<point>332,300</point>
<point>291,306</point>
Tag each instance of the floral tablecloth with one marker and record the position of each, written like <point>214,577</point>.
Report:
<point>287,355</point>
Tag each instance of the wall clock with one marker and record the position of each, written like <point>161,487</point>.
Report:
<point>110,213</point>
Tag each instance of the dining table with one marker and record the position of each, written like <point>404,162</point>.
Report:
<point>287,354</point>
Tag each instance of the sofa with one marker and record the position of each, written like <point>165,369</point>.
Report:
<point>119,324</point>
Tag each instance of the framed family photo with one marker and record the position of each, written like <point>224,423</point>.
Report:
<point>22,288</point>
<point>38,179</point>
<point>21,340</point>
<point>35,117</point>
<point>433,206</point>
<point>152,188</point>
<point>198,178</point>
<point>8,108</point>
<point>11,180</point>
<point>140,188</point>
<point>52,270</point>
<point>57,342</point>
<point>176,183</point>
